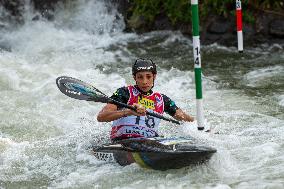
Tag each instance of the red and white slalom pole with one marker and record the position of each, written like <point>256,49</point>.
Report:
<point>239,25</point>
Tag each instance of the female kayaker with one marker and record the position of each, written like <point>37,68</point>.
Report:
<point>131,124</point>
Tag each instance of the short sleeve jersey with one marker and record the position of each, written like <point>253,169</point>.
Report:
<point>122,95</point>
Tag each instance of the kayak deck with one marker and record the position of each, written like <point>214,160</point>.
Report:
<point>155,153</point>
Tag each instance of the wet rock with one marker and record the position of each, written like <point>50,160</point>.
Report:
<point>219,26</point>
<point>16,8</point>
<point>46,8</point>
<point>248,34</point>
<point>43,5</point>
<point>137,23</point>
<point>262,23</point>
<point>13,6</point>
<point>185,28</point>
<point>277,28</point>
<point>162,22</point>
<point>122,6</point>
<point>248,30</point>
<point>228,39</point>
<point>218,30</point>
<point>209,39</point>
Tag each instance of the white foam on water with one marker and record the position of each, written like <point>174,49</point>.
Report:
<point>43,125</point>
<point>12,151</point>
<point>257,77</point>
<point>215,46</point>
<point>176,37</point>
<point>95,17</point>
<point>281,100</point>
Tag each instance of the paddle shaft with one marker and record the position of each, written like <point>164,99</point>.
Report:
<point>147,113</point>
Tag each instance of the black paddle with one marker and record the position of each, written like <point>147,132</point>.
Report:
<point>80,90</point>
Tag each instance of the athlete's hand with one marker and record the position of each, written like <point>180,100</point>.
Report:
<point>140,110</point>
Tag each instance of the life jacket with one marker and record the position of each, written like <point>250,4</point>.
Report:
<point>139,126</point>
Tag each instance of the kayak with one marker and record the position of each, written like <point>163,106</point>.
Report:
<point>155,153</point>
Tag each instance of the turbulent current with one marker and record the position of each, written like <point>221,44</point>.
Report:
<point>45,137</point>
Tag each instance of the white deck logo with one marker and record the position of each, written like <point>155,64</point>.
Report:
<point>104,156</point>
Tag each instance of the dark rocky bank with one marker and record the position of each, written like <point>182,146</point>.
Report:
<point>268,27</point>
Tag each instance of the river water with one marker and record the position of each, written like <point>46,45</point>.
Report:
<point>45,136</point>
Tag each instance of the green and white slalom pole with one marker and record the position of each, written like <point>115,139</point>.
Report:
<point>197,64</point>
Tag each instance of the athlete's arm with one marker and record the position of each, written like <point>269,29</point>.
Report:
<point>111,113</point>
<point>182,116</point>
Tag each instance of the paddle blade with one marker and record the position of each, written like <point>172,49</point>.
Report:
<point>80,90</point>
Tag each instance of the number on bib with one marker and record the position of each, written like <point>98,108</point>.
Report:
<point>149,121</point>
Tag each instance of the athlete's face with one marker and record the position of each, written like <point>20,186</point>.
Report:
<point>145,80</point>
